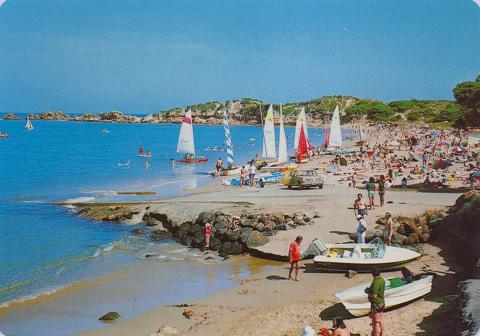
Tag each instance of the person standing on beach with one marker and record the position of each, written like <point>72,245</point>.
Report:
<point>294,257</point>
<point>371,192</point>
<point>388,231</point>
<point>251,173</point>
<point>381,190</point>
<point>243,176</point>
<point>354,180</point>
<point>376,296</point>
<point>359,206</point>
<point>219,164</point>
<point>208,232</point>
<point>361,229</point>
<point>425,159</point>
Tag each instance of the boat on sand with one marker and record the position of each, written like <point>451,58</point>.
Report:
<point>359,257</point>
<point>397,291</point>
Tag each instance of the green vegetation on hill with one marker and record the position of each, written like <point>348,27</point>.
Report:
<point>467,95</point>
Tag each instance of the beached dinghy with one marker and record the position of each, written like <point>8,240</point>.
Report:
<point>397,291</point>
<point>360,257</point>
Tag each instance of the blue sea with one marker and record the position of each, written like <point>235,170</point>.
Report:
<point>44,246</point>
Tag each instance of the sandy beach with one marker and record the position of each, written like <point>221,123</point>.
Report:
<point>268,301</point>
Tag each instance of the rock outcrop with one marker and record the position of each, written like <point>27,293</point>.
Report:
<point>10,116</point>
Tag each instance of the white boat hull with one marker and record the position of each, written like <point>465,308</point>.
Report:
<point>362,261</point>
<point>356,301</point>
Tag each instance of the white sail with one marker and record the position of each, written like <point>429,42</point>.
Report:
<point>28,124</point>
<point>301,121</point>
<point>185,139</point>
<point>335,130</point>
<point>362,134</point>
<point>282,142</point>
<point>269,151</point>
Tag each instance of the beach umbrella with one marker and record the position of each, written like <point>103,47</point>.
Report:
<point>476,174</point>
<point>441,164</point>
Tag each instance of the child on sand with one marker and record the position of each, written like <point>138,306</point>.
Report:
<point>371,192</point>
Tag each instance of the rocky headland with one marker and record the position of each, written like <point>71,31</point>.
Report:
<point>246,111</point>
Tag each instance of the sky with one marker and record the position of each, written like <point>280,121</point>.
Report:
<point>134,56</point>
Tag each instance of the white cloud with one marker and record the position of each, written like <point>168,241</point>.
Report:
<point>2,2</point>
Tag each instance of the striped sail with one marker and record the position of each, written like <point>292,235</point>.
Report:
<point>282,143</point>
<point>228,139</point>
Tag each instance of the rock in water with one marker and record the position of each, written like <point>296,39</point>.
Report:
<point>256,239</point>
<point>109,317</point>
<point>188,313</point>
<point>137,231</point>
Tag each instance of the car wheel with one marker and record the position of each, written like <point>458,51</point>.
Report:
<point>289,187</point>
<point>320,186</point>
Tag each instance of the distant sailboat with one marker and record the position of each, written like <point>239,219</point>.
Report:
<point>335,139</point>
<point>269,151</point>
<point>186,143</point>
<point>28,124</point>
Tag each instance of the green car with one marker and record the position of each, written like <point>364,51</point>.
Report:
<point>303,179</point>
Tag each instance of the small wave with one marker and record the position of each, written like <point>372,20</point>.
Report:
<point>108,248</point>
<point>79,200</point>
<point>34,201</point>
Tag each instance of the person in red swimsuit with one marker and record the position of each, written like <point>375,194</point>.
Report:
<point>208,232</point>
<point>294,257</point>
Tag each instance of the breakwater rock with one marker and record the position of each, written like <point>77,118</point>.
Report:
<point>10,116</point>
<point>232,233</point>
<point>236,234</point>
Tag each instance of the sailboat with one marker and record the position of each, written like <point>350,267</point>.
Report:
<point>143,153</point>
<point>231,169</point>
<point>3,135</point>
<point>302,149</point>
<point>186,143</point>
<point>335,136</point>
<point>268,151</point>
<point>28,124</point>
<point>282,144</point>
<point>363,138</point>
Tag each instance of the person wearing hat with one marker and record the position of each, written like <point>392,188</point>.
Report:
<point>361,229</point>
<point>294,257</point>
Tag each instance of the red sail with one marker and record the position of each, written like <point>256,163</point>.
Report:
<point>141,150</point>
<point>302,146</point>
<point>327,136</point>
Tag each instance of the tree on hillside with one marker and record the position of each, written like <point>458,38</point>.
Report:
<point>467,95</point>
<point>376,111</point>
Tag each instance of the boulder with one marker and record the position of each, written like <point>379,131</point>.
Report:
<point>221,222</point>
<point>109,317</point>
<point>232,235</point>
<point>159,234</point>
<point>209,216</point>
<point>424,238</point>
<point>259,226</point>
<point>398,239</point>
<point>412,239</point>
<point>257,239</point>
<point>269,226</point>
<point>215,244</point>
<point>299,222</point>
<point>245,234</point>
<point>247,222</point>
<point>230,248</point>
<point>283,227</point>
